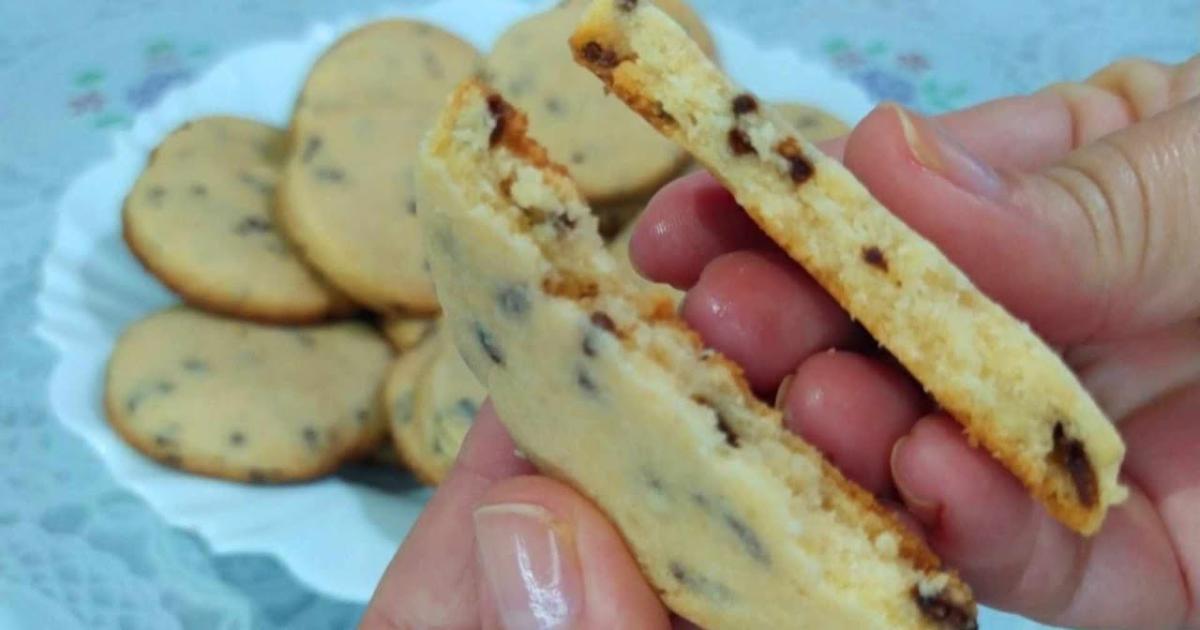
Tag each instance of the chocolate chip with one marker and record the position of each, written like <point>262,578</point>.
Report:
<point>653,481</point>
<point>466,408</point>
<point>432,66</point>
<point>874,257</point>
<point>263,187</point>
<point>311,146</point>
<point>311,437</point>
<point>500,110</point>
<point>171,459</point>
<point>513,300</point>
<point>740,143</point>
<point>330,174</point>
<point>257,475</point>
<point>799,168</point>
<point>946,613</point>
<point>601,320</point>
<point>627,5</point>
<point>253,225</point>
<point>199,190</point>
<point>165,441</point>
<point>744,104</point>
<point>195,365</point>
<point>555,106</point>
<point>578,157</point>
<point>489,345</point>
<point>1070,455</point>
<point>748,538</point>
<point>164,387</point>
<point>237,438</point>
<point>699,584</point>
<point>597,55</point>
<point>156,194</point>
<point>411,206</point>
<point>362,416</point>
<point>585,381</point>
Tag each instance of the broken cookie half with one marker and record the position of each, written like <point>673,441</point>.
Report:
<point>737,522</point>
<point>1009,390</point>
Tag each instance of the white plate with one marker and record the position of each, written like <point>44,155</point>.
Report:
<point>336,535</point>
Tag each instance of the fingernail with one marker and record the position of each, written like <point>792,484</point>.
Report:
<point>782,393</point>
<point>926,510</point>
<point>530,564</point>
<point>937,150</point>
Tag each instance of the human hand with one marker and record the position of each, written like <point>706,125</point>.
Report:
<point>1094,248</point>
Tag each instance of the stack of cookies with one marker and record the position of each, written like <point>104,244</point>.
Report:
<point>299,255</point>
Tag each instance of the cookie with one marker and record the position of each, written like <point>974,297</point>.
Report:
<point>346,200</point>
<point>734,520</point>
<point>199,219</point>
<point>406,333</point>
<point>244,401</point>
<point>815,124</point>
<point>388,63</point>
<point>430,419</point>
<point>610,152</point>
<point>1012,393</point>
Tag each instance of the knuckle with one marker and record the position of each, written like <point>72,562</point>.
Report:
<point>1185,82</point>
<point>1144,85</point>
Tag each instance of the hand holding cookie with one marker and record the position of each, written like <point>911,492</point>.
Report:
<point>1061,257</point>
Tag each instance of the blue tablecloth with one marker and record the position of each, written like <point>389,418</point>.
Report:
<point>77,550</point>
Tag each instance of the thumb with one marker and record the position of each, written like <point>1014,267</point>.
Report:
<point>1101,243</point>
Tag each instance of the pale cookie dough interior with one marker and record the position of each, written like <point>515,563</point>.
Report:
<point>735,521</point>
<point>244,401</point>
<point>199,218</point>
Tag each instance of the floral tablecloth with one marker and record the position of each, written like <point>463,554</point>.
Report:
<point>77,550</point>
